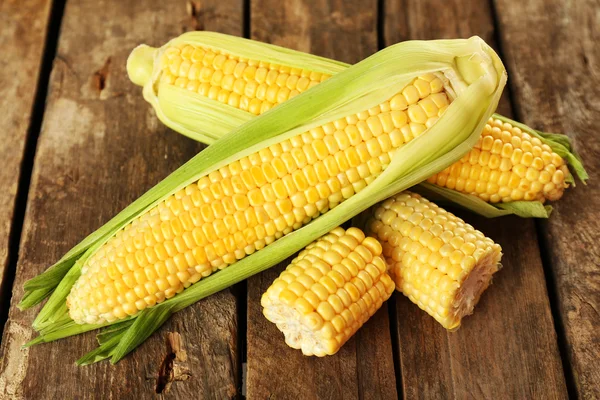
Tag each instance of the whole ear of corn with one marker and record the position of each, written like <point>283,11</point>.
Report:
<point>437,260</point>
<point>204,87</point>
<point>247,200</point>
<point>328,292</point>
<point>242,207</point>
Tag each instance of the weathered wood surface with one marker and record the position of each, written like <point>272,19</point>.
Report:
<point>97,127</point>
<point>101,147</point>
<point>23,35</point>
<point>508,348</point>
<point>364,367</point>
<point>555,82</point>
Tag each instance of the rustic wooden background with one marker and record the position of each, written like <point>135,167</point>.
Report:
<point>78,143</point>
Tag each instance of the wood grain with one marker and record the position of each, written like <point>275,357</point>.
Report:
<point>101,146</point>
<point>508,348</point>
<point>22,34</point>
<point>555,81</point>
<point>343,30</point>
<point>364,367</point>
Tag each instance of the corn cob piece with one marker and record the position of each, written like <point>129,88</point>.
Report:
<point>246,205</point>
<point>328,292</point>
<point>506,165</point>
<point>437,260</point>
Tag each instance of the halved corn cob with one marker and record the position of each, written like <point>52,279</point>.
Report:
<point>436,259</point>
<point>328,291</point>
<point>506,165</point>
<point>246,205</point>
<point>327,155</point>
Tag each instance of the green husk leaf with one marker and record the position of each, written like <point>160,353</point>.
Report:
<point>445,196</point>
<point>143,326</point>
<point>62,330</point>
<point>360,87</point>
<point>442,195</point>
<point>113,330</point>
<point>56,307</point>
<point>527,208</point>
<point>108,339</point>
<point>34,297</point>
<point>103,351</point>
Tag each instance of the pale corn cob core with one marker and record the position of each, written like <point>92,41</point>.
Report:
<point>506,165</point>
<point>248,204</point>
<point>328,292</point>
<point>436,259</point>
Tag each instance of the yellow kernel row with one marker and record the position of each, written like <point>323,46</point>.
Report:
<point>250,85</point>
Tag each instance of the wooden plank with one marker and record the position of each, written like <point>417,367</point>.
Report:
<point>344,30</point>
<point>363,368</point>
<point>508,348</point>
<point>101,147</point>
<point>23,28</point>
<point>556,86</point>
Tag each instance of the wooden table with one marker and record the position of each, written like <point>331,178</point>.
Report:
<point>78,143</point>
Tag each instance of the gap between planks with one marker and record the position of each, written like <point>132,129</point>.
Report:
<point>52,25</point>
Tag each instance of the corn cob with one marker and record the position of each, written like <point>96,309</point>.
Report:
<point>437,260</point>
<point>328,292</point>
<point>245,206</point>
<point>506,165</point>
<point>321,158</point>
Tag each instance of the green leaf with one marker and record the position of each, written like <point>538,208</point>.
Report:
<point>527,209</point>
<point>113,330</point>
<point>441,195</point>
<point>103,351</point>
<point>143,326</point>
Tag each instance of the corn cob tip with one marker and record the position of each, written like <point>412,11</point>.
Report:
<point>507,164</point>
<point>140,63</point>
<point>329,291</point>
